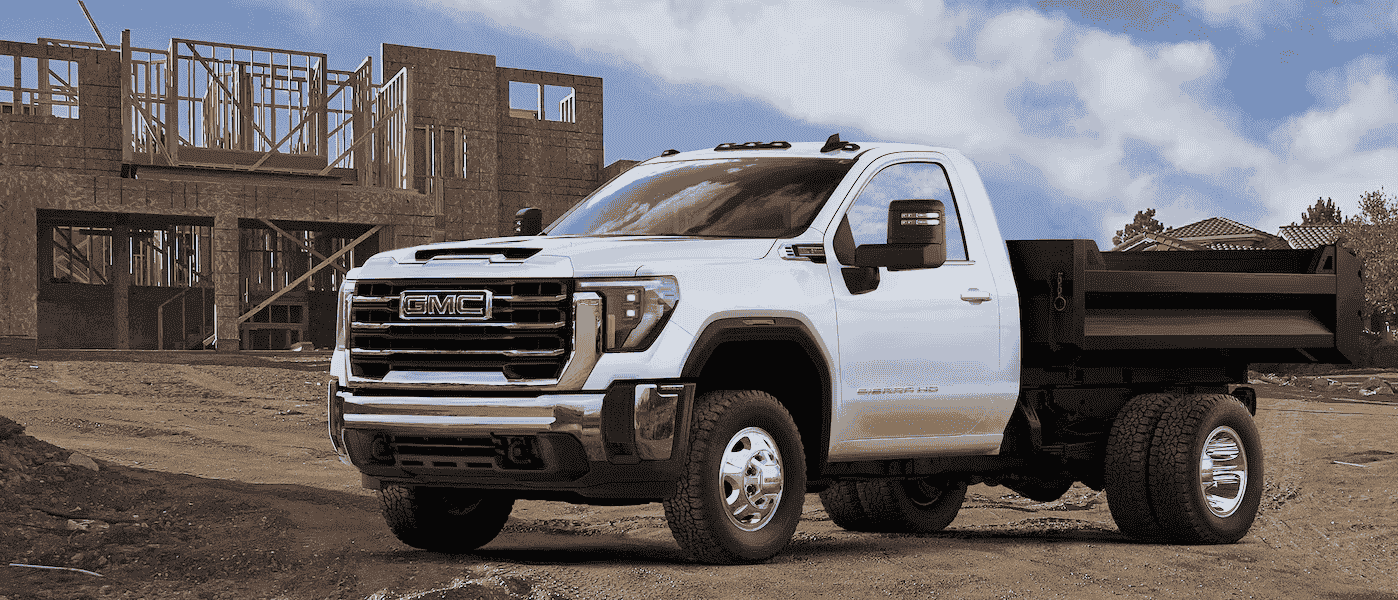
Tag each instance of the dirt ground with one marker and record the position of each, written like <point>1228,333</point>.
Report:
<point>214,479</point>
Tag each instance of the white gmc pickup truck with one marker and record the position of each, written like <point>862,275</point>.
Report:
<point>726,330</point>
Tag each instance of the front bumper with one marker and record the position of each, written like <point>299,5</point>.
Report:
<point>591,444</point>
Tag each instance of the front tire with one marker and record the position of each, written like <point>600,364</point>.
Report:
<point>841,501</point>
<point>912,505</point>
<point>1206,471</point>
<point>446,520</point>
<point>744,481</point>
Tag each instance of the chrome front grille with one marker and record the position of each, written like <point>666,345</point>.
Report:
<point>525,334</point>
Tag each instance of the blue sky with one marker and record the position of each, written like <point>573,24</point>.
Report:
<point>1077,112</point>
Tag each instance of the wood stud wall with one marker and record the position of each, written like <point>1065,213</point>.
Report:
<point>464,165</point>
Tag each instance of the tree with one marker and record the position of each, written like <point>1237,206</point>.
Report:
<point>1144,222</point>
<point>1373,236</point>
<point>1323,213</point>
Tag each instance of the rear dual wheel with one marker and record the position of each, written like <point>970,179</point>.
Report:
<point>1128,459</point>
<point>1206,471</point>
<point>1184,469</point>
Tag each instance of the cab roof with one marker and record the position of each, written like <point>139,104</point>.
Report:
<point>832,148</point>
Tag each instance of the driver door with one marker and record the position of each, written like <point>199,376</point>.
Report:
<point>918,353</point>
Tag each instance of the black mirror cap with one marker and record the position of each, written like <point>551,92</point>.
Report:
<point>916,237</point>
<point>529,221</point>
<point>916,222</point>
<point>900,256</point>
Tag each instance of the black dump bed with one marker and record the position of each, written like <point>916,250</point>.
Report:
<point>1080,306</point>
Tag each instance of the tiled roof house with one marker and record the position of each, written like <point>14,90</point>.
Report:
<point>1306,237</point>
<point>1214,233</point>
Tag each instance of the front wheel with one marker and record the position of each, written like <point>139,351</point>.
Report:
<point>443,519</point>
<point>1206,471</point>
<point>739,498</point>
<point>841,501</point>
<point>925,505</point>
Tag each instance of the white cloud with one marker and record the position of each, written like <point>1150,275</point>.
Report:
<point>1322,154</point>
<point>1366,19</point>
<point>1354,99</point>
<point>309,14</point>
<point>1249,17</point>
<point>1006,86</point>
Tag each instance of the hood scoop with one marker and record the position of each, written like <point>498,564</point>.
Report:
<point>492,254</point>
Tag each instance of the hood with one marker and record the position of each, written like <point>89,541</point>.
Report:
<point>545,256</point>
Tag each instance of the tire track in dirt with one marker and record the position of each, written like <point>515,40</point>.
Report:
<point>1281,457</point>
<point>70,383</point>
<point>1282,489</point>
<point>336,545</point>
<point>223,386</point>
<point>1302,523</point>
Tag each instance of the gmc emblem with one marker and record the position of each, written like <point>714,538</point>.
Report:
<point>472,305</point>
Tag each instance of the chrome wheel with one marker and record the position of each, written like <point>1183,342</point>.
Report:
<point>1205,471</point>
<point>744,451</point>
<point>750,477</point>
<point>1223,471</point>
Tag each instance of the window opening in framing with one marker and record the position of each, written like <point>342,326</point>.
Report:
<point>273,261</point>
<point>543,102</point>
<point>525,100</point>
<point>562,103</point>
<point>270,263</point>
<point>443,155</point>
<point>38,86</point>
<point>176,256</point>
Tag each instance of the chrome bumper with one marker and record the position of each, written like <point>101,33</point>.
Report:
<point>653,409</point>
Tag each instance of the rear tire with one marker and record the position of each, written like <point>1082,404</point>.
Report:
<point>1206,471</point>
<point>1126,473</point>
<point>912,505</point>
<point>841,501</point>
<point>740,495</point>
<point>446,520</point>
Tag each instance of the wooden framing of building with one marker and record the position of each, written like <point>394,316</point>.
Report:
<point>212,194</point>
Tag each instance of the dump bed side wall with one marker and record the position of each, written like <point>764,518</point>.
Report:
<point>1081,306</point>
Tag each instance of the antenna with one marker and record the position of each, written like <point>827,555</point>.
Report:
<point>834,143</point>
<point>105,46</point>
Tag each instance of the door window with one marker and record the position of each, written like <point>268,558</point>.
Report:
<point>868,217</point>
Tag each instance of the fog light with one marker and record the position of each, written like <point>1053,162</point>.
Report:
<point>519,452</point>
<point>380,450</point>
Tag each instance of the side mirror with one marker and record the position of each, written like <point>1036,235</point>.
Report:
<point>916,237</point>
<point>529,221</point>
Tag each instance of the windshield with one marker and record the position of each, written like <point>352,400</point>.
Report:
<point>741,197</point>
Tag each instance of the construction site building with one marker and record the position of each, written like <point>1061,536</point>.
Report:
<point>213,195</point>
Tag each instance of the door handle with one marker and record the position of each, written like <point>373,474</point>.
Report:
<point>975,296</point>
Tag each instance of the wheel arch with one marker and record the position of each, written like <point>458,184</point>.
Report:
<point>777,355</point>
